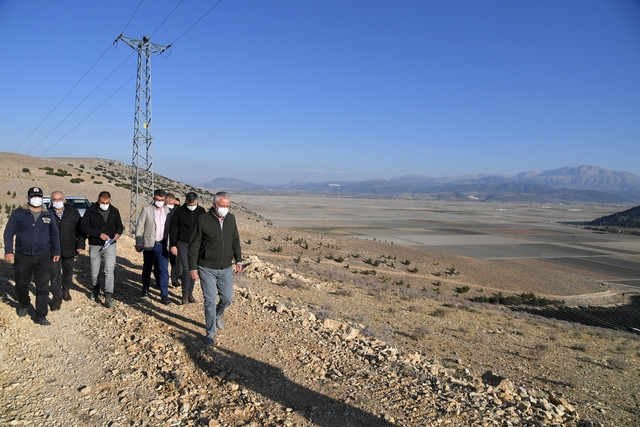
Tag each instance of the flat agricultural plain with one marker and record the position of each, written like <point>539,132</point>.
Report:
<point>545,235</point>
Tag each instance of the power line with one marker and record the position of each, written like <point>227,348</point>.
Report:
<point>197,21</point>
<point>69,92</point>
<point>87,116</point>
<point>79,104</point>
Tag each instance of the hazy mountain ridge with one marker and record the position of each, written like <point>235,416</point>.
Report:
<point>590,184</point>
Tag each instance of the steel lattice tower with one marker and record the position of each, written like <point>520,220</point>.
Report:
<point>142,182</point>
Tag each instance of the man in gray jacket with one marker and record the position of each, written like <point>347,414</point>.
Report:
<point>151,239</point>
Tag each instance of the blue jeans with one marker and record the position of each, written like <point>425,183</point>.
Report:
<point>158,254</point>
<point>97,257</point>
<point>215,283</point>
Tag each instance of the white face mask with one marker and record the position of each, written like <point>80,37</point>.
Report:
<point>158,203</point>
<point>192,208</point>
<point>104,206</point>
<point>35,201</point>
<point>222,211</point>
<point>170,206</point>
<point>58,205</point>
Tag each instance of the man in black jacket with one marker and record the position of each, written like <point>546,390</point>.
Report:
<point>72,242</point>
<point>103,226</point>
<point>213,246</point>
<point>36,244</point>
<point>183,221</point>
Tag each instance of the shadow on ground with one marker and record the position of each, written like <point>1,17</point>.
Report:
<point>622,317</point>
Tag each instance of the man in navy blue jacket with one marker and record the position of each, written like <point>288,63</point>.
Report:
<point>36,242</point>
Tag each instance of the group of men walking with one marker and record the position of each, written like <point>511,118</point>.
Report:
<point>42,244</point>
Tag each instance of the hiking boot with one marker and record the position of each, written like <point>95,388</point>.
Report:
<point>208,341</point>
<point>192,299</point>
<point>185,299</point>
<point>56,305</point>
<point>144,295</point>
<point>108,300</point>
<point>41,320</point>
<point>66,296</point>
<point>166,301</point>
<point>23,311</point>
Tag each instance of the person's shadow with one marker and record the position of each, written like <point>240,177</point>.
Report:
<point>270,382</point>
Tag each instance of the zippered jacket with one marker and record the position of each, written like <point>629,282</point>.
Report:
<point>32,236</point>
<point>93,223</point>
<point>71,237</point>
<point>213,247</point>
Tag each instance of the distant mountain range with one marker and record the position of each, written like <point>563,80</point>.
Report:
<point>583,184</point>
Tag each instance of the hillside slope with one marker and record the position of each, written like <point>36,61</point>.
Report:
<point>310,343</point>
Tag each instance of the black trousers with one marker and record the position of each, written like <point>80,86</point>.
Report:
<point>39,267</point>
<point>61,277</point>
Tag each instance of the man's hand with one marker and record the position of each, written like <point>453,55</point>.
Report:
<point>9,258</point>
<point>174,250</point>
<point>79,251</point>
<point>238,268</point>
<point>116,237</point>
<point>56,258</point>
<point>139,248</point>
<point>193,274</point>
<point>104,237</point>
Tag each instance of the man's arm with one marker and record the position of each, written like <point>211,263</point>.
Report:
<point>119,225</point>
<point>54,238</point>
<point>9,234</point>
<point>194,250</point>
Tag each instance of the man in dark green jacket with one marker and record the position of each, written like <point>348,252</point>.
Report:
<point>214,245</point>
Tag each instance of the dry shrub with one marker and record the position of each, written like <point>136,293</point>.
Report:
<point>420,333</point>
<point>440,312</point>
<point>294,283</point>
<point>344,292</point>
<point>619,363</point>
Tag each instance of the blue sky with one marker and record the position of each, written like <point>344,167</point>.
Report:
<point>274,90</point>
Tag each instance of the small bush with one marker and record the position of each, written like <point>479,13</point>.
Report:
<point>451,271</point>
<point>276,249</point>
<point>462,289</point>
<point>76,180</point>
<point>26,170</point>
<point>268,238</point>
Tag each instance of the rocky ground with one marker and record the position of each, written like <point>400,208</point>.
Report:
<point>324,331</point>
<point>304,346</point>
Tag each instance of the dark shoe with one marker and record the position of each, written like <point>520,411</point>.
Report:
<point>166,301</point>
<point>96,293</point>
<point>176,285</point>
<point>23,311</point>
<point>108,300</point>
<point>56,305</point>
<point>192,299</point>
<point>220,324</point>
<point>144,295</point>
<point>66,296</point>
<point>185,299</point>
<point>42,321</point>
<point>208,341</point>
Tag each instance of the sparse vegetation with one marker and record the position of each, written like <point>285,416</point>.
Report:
<point>522,299</point>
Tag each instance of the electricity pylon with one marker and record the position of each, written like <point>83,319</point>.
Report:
<point>142,182</point>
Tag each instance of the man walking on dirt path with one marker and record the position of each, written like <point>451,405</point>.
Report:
<point>214,244</point>
<point>37,243</point>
